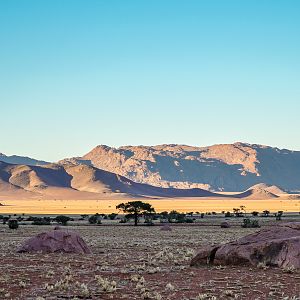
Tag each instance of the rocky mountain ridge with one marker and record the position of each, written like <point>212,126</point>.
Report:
<point>226,167</point>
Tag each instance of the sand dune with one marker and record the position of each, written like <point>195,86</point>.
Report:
<point>259,191</point>
<point>70,181</point>
<point>269,188</point>
<point>80,181</point>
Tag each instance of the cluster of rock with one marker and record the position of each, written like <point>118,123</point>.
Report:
<point>274,246</point>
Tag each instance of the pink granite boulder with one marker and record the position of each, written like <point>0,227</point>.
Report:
<point>58,240</point>
<point>274,246</point>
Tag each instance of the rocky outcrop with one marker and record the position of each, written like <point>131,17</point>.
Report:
<point>227,167</point>
<point>273,246</point>
<point>57,240</point>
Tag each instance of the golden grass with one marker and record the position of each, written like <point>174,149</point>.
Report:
<point>108,206</point>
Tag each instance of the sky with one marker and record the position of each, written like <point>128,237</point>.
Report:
<point>77,73</point>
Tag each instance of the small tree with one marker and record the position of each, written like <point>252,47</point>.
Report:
<point>95,219</point>
<point>135,209</point>
<point>254,213</point>
<point>181,218</point>
<point>13,224</point>
<point>266,213</point>
<point>112,216</point>
<point>84,216</point>
<point>172,215</point>
<point>237,212</point>
<point>228,214</point>
<point>243,208</point>
<point>63,220</point>
<point>278,215</point>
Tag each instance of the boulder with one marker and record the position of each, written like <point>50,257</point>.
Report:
<point>225,225</point>
<point>166,227</point>
<point>57,240</point>
<point>274,246</point>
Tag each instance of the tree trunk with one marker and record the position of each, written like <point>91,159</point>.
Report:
<point>135,219</point>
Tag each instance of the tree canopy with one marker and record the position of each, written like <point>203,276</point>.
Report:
<point>135,209</point>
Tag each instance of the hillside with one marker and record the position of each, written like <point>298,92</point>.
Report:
<point>21,160</point>
<point>257,192</point>
<point>228,167</point>
<point>80,182</point>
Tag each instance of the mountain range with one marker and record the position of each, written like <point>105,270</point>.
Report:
<point>227,167</point>
<point>251,171</point>
<point>79,181</point>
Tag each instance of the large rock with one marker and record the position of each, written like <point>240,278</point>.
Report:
<point>225,225</point>
<point>166,227</point>
<point>274,246</point>
<point>57,240</point>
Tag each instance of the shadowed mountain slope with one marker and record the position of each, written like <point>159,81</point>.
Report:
<point>86,181</point>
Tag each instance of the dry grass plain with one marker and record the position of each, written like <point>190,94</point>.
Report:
<point>37,206</point>
<point>137,263</point>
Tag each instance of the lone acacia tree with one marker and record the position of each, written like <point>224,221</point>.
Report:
<point>135,209</point>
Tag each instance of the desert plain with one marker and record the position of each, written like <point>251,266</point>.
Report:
<point>140,262</point>
<point>88,206</point>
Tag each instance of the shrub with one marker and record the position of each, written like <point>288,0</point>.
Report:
<point>181,218</point>
<point>189,221</point>
<point>228,214</point>
<point>13,224</point>
<point>266,213</point>
<point>278,215</point>
<point>41,221</point>
<point>63,220</point>
<point>112,216</point>
<point>5,219</point>
<point>247,223</point>
<point>95,219</point>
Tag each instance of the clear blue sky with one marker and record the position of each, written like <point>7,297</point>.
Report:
<point>74,74</point>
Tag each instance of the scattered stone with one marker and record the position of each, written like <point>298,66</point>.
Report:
<point>225,225</point>
<point>166,228</point>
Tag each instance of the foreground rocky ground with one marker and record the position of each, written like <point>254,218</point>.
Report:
<point>136,263</point>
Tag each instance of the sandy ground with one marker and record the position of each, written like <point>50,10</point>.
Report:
<point>108,206</point>
<point>143,263</point>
